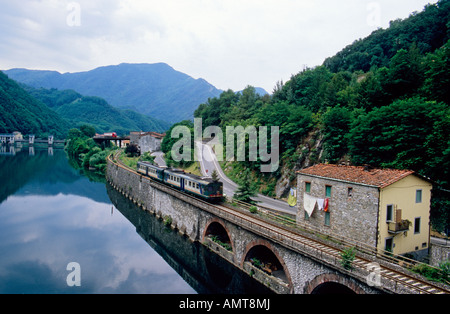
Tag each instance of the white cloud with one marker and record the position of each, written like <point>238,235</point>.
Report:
<point>230,43</point>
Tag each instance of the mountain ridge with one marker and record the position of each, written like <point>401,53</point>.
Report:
<point>153,89</point>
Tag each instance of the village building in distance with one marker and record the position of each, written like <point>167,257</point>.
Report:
<point>384,208</point>
<point>147,141</point>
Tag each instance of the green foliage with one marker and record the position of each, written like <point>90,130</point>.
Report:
<point>402,135</point>
<point>336,124</point>
<point>80,110</point>
<point>428,29</point>
<point>441,274</point>
<point>19,111</point>
<point>437,74</point>
<point>156,90</point>
<point>147,157</point>
<point>84,152</point>
<point>132,150</point>
<point>384,101</point>
<point>246,189</point>
<point>215,176</point>
<point>168,221</point>
<point>179,144</point>
<point>348,256</point>
<point>225,245</point>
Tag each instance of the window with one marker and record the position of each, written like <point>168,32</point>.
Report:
<point>350,192</point>
<point>389,244</point>
<point>389,213</point>
<point>417,225</point>
<point>308,187</point>
<point>419,196</point>
<point>327,219</point>
<point>328,191</point>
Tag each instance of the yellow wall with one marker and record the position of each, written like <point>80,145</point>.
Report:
<point>402,195</point>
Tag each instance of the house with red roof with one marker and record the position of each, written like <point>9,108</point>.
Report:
<point>387,209</point>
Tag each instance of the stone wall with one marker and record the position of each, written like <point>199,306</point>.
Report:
<point>191,217</point>
<point>149,143</point>
<point>354,217</point>
<point>439,254</point>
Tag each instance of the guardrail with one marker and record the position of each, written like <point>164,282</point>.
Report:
<point>327,238</point>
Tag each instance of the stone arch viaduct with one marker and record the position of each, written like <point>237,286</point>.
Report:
<point>284,261</point>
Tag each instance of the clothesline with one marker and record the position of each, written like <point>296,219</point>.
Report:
<point>310,202</point>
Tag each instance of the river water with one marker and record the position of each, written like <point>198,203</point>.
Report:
<point>52,216</point>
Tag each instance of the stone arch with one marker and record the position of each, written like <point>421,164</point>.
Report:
<point>267,254</point>
<point>332,284</point>
<point>216,227</point>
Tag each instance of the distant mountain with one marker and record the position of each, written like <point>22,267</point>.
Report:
<point>78,110</point>
<point>259,91</point>
<point>156,90</point>
<point>19,111</point>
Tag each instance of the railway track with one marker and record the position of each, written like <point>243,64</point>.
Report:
<point>306,245</point>
<point>391,274</point>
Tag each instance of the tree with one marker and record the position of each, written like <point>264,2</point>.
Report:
<point>246,189</point>
<point>215,176</point>
<point>87,130</point>
<point>171,145</point>
<point>406,72</point>
<point>336,125</point>
<point>408,134</point>
<point>132,150</point>
<point>437,75</point>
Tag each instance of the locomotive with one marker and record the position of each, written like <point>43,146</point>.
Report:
<point>202,187</point>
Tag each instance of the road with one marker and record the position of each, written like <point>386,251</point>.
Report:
<point>159,159</point>
<point>439,241</point>
<point>208,163</point>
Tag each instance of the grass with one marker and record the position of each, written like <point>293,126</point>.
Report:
<point>194,169</point>
<point>129,161</point>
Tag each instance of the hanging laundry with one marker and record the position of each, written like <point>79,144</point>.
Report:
<point>326,205</point>
<point>320,203</point>
<point>292,200</point>
<point>309,203</point>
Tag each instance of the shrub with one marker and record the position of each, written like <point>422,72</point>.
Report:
<point>348,256</point>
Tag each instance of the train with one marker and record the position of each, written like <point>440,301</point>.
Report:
<point>202,187</point>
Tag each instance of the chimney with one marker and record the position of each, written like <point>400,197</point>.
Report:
<point>398,216</point>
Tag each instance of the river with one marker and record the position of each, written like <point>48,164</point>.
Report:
<point>52,217</point>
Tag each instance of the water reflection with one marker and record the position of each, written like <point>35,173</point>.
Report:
<point>51,216</point>
<point>204,270</point>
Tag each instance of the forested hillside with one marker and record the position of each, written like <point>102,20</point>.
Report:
<point>383,101</point>
<point>80,110</point>
<point>156,90</point>
<point>21,112</point>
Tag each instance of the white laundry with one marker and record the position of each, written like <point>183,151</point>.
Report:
<point>320,203</point>
<point>309,203</point>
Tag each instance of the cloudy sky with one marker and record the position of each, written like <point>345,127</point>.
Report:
<point>229,43</point>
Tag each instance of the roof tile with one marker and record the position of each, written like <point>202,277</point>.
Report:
<point>362,175</point>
